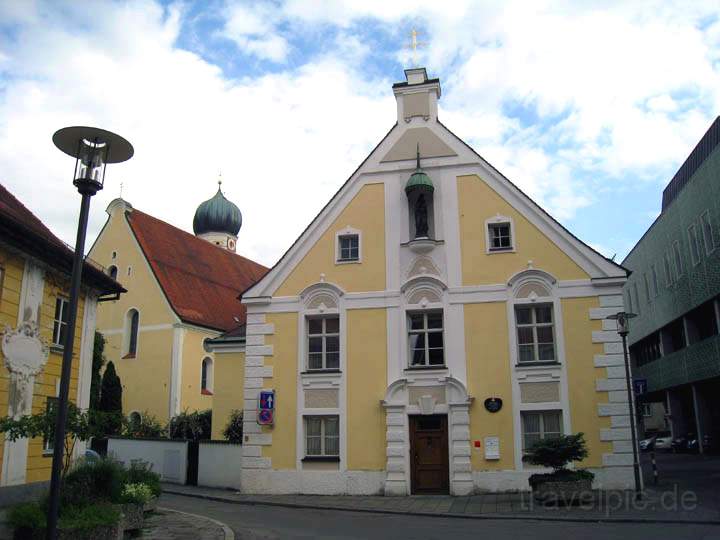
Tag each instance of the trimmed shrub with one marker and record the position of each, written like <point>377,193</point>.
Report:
<point>141,472</point>
<point>557,453</point>
<point>148,427</point>
<point>195,425</point>
<point>93,481</point>
<point>233,431</point>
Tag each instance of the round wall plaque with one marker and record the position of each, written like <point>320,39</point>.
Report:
<point>493,404</point>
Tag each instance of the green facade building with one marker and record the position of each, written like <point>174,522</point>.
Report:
<point>674,290</point>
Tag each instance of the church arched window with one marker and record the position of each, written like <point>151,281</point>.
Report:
<point>132,327</point>
<point>206,376</point>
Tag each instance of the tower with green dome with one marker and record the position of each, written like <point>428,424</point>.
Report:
<point>218,220</point>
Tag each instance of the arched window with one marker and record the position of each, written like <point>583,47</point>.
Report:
<point>112,271</point>
<point>132,325</point>
<point>135,419</point>
<point>206,376</point>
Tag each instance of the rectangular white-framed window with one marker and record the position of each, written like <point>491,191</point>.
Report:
<point>540,425</point>
<point>348,248</point>
<point>629,301</point>
<point>322,436</point>
<point>678,259</point>
<point>656,287</point>
<point>668,269</point>
<point>694,244</point>
<point>535,333</point>
<point>323,343</point>
<point>60,321</point>
<point>707,232</point>
<point>500,236</point>
<point>49,443</point>
<point>425,339</point>
<point>646,409</point>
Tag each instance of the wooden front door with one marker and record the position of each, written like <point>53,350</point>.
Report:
<point>429,454</point>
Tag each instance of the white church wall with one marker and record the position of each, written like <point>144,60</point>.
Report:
<point>168,458</point>
<point>220,464</point>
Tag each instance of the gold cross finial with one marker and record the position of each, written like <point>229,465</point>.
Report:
<point>414,44</point>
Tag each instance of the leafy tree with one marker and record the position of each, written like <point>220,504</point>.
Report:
<point>196,425</point>
<point>97,364</point>
<point>233,431</point>
<point>143,426</point>
<point>80,426</point>
<point>111,397</point>
<point>558,452</point>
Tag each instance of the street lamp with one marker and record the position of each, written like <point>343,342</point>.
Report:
<point>623,328</point>
<point>92,149</point>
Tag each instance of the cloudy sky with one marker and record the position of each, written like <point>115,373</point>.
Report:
<point>590,107</point>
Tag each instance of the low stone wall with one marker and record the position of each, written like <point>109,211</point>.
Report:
<point>168,457</point>
<point>220,464</point>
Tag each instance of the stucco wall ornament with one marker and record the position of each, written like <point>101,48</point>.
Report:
<point>25,356</point>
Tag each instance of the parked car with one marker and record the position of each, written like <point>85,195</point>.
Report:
<point>647,444</point>
<point>688,443</point>
<point>663,441</point>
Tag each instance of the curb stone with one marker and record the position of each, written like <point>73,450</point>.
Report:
<point>229,534</point>
<point>496,516</point>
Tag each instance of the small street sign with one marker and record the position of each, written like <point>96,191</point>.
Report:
<point>266,408</point>
<point>640,386</point>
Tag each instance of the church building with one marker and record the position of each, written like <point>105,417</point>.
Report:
<point>182,290</point>
<point>430,324</point>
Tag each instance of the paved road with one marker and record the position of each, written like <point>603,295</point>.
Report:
<point>699,474</point>
<point>270,523</point>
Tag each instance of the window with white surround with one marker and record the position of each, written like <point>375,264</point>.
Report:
<point>535,333</point>
<point>348,248</point>
<point>60,322</point>
<point>322,436</point>
<point>206,376</point>
<point>678,259</point>
<point>323,343</point>
<point>656,288</point>
<point>694,244</point>
<point>707,232</point>
<point>132,327</point>
<point>499,234</point>
<point>50,406</point>
<point>540,425</point>
<point>668,269</point>
<point>425,339</point>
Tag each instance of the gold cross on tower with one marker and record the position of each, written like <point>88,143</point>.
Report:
<point>414,44</point>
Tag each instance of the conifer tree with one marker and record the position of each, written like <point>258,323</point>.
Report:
<point>111,396</point>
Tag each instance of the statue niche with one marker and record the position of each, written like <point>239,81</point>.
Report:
<point>421,217</point>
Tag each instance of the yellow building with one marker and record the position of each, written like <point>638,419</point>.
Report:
<point>428,325</point>
<point>182,290</point>
<point>35,268</point>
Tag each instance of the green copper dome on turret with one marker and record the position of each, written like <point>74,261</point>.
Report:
<point>217,215</point>
<point>419,181</point>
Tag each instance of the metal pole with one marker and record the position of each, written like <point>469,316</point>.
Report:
<point>636,464</point>
<point>62,409</point>
<point>654,466</point>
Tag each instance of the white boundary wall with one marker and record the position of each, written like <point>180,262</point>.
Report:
<point>220,465</point>
<point>168,458</point>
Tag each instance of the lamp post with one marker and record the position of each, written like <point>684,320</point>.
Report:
<point>92,149</point>
<point>623,328</point>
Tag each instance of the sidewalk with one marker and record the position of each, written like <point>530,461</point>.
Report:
<point>165,524</point>
<point>656,507</point>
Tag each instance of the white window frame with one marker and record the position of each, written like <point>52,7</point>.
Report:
<point>542,432</point>
<point>323,436</point>
<point>59,323</point>
<point>678,259</point>
<point>694,244</point>
<point>534,325</point>
<point>706,224</point>
<point>210,375</point>
<point>499,220</point>
<point>348,231</point>
<point>425,331</point>
<point>323,335</point>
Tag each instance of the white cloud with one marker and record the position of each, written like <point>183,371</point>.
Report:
<point>252,28</point>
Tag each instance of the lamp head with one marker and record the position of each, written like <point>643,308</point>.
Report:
<point>623,321</point>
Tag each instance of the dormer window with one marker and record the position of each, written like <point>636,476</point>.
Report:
<point>499,234</point>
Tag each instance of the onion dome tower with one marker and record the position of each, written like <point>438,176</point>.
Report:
<point>218,220</point>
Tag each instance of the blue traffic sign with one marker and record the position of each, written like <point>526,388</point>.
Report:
<point>640,386</point>
<point>267,400</point>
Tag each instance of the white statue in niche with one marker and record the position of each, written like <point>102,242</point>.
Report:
<point>25,357</point>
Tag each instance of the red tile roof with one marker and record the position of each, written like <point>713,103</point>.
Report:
<point>201,281</point>
<point>21,228</point>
